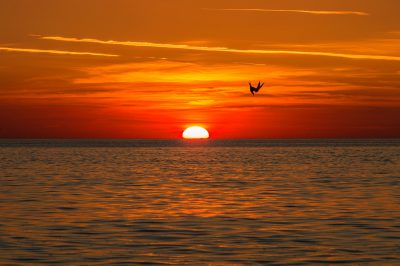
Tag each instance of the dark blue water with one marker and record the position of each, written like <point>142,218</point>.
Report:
<point>297,202</point>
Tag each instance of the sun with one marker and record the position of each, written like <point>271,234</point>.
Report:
<point>195,133</point>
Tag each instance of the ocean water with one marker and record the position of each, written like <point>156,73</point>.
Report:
<point>237,202</point>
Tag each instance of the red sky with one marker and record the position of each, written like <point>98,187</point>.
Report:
<point>150,68</point>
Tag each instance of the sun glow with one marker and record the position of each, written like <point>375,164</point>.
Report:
<point>195,133</point>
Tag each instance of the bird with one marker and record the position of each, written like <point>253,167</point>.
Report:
<point>254,89</point>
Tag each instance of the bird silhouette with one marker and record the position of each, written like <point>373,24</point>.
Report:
<point>254,89</point>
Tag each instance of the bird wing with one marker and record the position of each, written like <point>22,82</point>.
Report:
<point>253,89</point>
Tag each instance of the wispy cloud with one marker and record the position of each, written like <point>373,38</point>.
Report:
<point>183,73</point>
<point>59,52</point>
<point>168,84</point>
<point>313,12</point>
<point>180,85</point>
<point>224,49</point>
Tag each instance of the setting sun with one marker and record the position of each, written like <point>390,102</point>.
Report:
<point>195,133</point>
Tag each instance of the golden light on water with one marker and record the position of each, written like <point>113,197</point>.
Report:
<point>195,132</point>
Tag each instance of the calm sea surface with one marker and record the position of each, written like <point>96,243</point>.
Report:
<point>296,202</point>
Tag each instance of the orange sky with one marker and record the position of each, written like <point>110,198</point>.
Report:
<point>150,68</point>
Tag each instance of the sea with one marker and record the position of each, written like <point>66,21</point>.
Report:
<point>210,202</point>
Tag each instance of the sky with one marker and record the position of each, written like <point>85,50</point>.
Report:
<point>151,68</point>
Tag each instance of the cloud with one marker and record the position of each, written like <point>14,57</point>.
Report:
<point>184,73</point>
<point>382,46</point>
<point>224,49</point>
<point>26,50</point>
<point>179,85</point>
<point>313,12</point>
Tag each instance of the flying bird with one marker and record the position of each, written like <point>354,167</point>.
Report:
<point>254,89</point>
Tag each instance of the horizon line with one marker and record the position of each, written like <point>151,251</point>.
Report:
<point>211,138</point>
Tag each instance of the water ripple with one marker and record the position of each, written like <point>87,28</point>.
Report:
<point>296,204</point>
